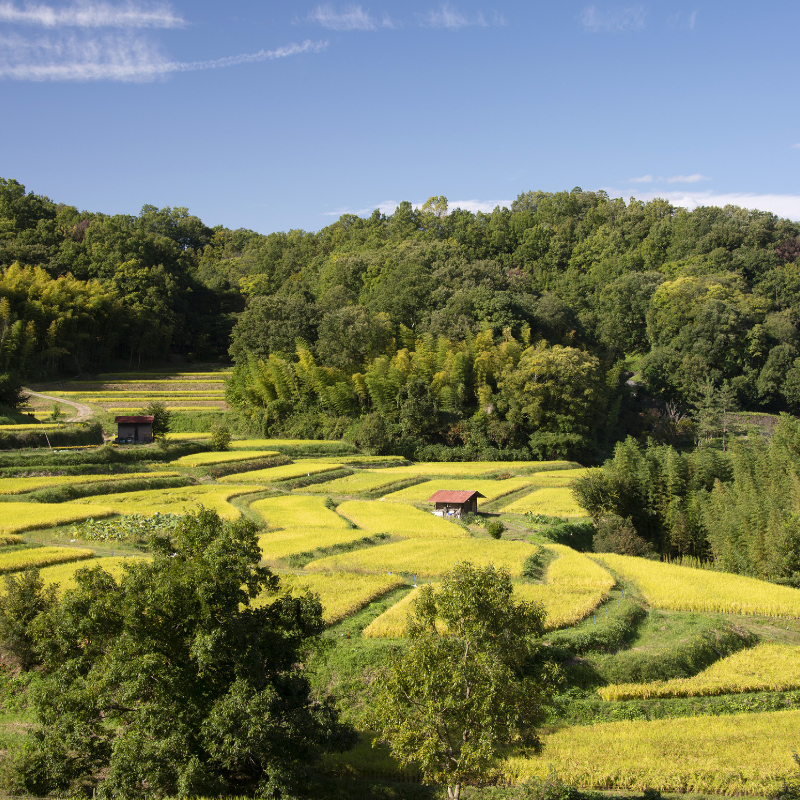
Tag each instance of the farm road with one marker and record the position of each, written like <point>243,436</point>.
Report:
<point>84,412</point>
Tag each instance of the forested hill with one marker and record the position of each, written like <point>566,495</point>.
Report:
<point>507,330</point>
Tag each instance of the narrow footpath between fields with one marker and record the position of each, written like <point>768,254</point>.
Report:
<point>84,411</point>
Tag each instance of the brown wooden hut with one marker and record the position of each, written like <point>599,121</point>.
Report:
<point>455,503</point>
<point>134,430</point>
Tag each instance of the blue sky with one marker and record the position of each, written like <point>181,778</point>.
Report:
<point>273,116</point>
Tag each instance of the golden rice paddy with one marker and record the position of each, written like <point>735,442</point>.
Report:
<point>202,459</point>
<point>17,517</point>
<point>298,511</point>
<point>21,485</point>
<point>551,501</point>
<point>41,557</point>
<point>286,472</point>
<point>490,489</point>
<point>379,516</point>
<point>279,544</point>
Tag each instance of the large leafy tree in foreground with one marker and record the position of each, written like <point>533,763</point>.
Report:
<point>171,681</point>
<point>469,680</point>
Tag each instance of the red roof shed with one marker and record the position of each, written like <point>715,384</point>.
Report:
<point>456,502</point>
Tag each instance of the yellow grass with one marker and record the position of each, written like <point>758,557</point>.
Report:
<point>429,557</point>
<point>575,588</point>
<point>184,436</point>
<point>467,468</point>
<point>20,485</point>
<point>16,517</point>
<point>64,574</point>
<point>41,557</point>
<point>738,754</point>
<point>378,516</point>
<point>341,594</point>
<point>686,589</point>
<point>201,459</point>
<point>764,668</point>
<point>286,472</point>
<point>352,484</point>
<point>175,501</point>
<point>490,489</point>
<point>560,477</point>
<point>297,511</point>
<point>553,502</point>
<point>280,544</point>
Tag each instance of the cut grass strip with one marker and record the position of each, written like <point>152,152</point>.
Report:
<point>429,557</point>
<point>17,517</point>
<point>685,589</point>
<point>378,516</point>
<point>298,511</point>
<point>41,557</point>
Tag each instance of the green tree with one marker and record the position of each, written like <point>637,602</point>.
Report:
<point>162,418</point>
<point>172,681</point>
<point>25,597</point>
<point>467,682</point>
<point>220,436</point>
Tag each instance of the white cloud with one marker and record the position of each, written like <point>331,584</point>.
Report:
<point>350,18</point>
<point>92,15</point>
<point>642,179</point>
<point>613,20</point>
<point>450,18</point>
<point>696,178</point>
<point>796,146</point>
<point>112,58</point>
<point>486,206</point>
<point>692,20</point>
<point>784,205</point>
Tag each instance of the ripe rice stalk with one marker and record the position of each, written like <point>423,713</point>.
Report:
<point>17,517</point>
<point>298,511</point>
<point>428,557</point>
<point>21,485</point>
<point>768,667</point>
<point>341,593</point>
<point>561,477</point>
<point>490,489</point>
<point>551,502</point>
<point>378,516</point>
<point>465,469</point>
<point>275,474</point>
<point>280,544</point>
<point>353,484</point>
<point>201,459</point>
<point>677,588</point>
<point>737,754</point>
<point>41,557</point>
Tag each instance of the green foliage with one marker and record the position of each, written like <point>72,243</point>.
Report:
<point>24,598</point>
<point>617,535</point>
<point>577,535</point>
<point>495,528</point>
<point>451,700</point>
<point>69,436</point>
<point>162,418</point>
<point>220,437</point>
<point>170,682</point>
<point>129,528</point>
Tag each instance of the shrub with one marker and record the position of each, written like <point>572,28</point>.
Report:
<point>162,418</point>
<point>495,528</point>
<point>617,535</point>
<point>220,437</point>
<point>24,598</point>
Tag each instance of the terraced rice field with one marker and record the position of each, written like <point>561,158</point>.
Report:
<point>490,489</point>
<point>21,485</point>
<point>768,667</point>
<point>685,589</point>
<point>173,501</point>
<point>275,474</point>
<point>562,477</point>
<point>738,754</point>
<point>202,459</point>
<point>40,557</point>
<point>428,557</point>
<point>17,517</point>
<point>341,594</point>
<point>254,444</point>
<point>64,574</point>
<point>467,468</point>
<point>298,512</point>
<point>379,516</point>
<point>552,502</point>
<point>31,426</point>
<point>279,544</point>
<point>353,484</point>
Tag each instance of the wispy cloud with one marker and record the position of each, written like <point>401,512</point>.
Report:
<point>784,205</point>
<point>613,19</point>
<point>92,15</point>
<point>452,19</point>
<point>796,146</point>
<point>350,18</point>
<point>692,20</point>
<point>113,58</point>
<point>642,179</point>
<point>696,178</point>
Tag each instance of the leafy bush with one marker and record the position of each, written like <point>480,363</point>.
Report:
<point>495,528</point>
<point>130,528</point>
<point>617,535</point>
<point>220,437</point>
<point>577,535</point>
<point>162,418</point>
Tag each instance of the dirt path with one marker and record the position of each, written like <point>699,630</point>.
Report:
<point>84,412</point>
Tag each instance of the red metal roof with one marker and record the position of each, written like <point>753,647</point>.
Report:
<point>132,420</point>
<point>453,496</point>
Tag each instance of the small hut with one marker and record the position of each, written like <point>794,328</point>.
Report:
<point>452,503</point>
<point>134,430</point>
